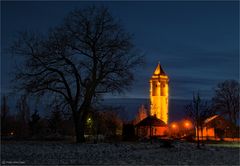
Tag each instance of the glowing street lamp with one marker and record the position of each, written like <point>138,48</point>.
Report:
<point>89,121</point>
<point>186,124</point>
<point>174,129</point>
<point>174,126</point>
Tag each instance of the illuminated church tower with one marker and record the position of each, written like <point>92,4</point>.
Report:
<point>159,94</point>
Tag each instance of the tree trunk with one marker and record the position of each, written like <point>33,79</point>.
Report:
<point>198,141</point>
<point>79,122</point>
<point>202,134</point>
<point>235,115</point>
<point>79,132</point>
<point>79,129</point>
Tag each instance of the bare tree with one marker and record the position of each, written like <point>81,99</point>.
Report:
<point>226,99</point>
<point>107,123</point>
<point>55,122</point>
<point>4,115</point>
<point>198,111</point>
<point>4,107</point>
<point>88,55</point>
<point>34,124</point>
<point>23,116</point>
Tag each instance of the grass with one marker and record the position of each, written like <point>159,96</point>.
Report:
<point>226,144</point>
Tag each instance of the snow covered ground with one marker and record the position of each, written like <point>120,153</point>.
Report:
<point>121,153</point>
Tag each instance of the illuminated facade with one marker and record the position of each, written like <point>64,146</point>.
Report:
<point>217,127</point>
<point>159,94</point>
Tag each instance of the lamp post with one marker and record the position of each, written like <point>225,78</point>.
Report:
<point>187,126</point>
<point>174,128</point>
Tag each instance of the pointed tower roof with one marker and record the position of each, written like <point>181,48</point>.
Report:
<point>159,70</point>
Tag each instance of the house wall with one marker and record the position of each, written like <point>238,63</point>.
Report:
<point>207,132</point>
<point>144,131</point>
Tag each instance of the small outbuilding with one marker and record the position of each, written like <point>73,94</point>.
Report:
<point>151,126</point>
<point>217,127</point>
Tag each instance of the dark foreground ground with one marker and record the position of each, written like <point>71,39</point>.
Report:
<point>24,153</point>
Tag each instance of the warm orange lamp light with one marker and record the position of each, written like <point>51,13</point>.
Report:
<point>174,126</point>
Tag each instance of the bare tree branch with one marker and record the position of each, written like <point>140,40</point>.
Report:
<point>88,55</point>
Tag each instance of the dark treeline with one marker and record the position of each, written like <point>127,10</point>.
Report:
<point>27,124</point>
<point>104,123</point>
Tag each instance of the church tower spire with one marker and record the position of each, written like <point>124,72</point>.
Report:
<point>159,94</point>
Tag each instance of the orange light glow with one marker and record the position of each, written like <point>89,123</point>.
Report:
<point>187,124</point>
<point>206,132</point>
<point>174,126</point>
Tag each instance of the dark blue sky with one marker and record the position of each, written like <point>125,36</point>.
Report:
<point>197,43</point>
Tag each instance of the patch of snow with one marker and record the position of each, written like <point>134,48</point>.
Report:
<point>121,153</point>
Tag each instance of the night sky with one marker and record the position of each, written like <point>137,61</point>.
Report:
<point>197,43</point>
